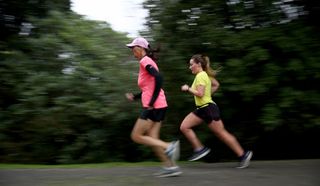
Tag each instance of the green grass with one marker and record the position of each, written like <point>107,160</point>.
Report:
<point>83,166</point>
<point>94,165</point>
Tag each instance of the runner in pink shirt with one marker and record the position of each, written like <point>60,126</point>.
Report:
<point>150,85</point>
<point>146,130</point>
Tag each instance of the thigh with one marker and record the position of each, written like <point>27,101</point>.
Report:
<point>141,126</point>
<point>191,120</point>
<point>216,126</point>
<point>154,130</point>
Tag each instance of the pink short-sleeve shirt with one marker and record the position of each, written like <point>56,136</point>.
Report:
<point>146,83</point>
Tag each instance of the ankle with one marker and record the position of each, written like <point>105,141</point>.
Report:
<point>198,149</point>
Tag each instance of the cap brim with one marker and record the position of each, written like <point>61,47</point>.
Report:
<point>130,45</point>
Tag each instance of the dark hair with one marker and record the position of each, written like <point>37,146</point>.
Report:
<point>152,53</point>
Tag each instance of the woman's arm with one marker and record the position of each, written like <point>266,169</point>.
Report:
<point>158,83</point>
<point>199,91</point>
<point>214,85</point>
<point>131,97</point>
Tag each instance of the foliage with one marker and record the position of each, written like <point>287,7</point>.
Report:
<point>269,52</point>
<point>14,15</point>
<point>63,86</point>
<point>63,78</point>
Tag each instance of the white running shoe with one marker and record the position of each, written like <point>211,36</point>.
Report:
<point>168,172</point>
<point>173,151</point>
<point>245,160</point>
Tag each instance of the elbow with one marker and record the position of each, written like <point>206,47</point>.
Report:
<point>215,87</point>
<point>159,80</point>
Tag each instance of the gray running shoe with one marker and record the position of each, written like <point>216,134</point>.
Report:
<point>173,151</point>
<point>168,172</point>
<point>199,154</point>
<point>245,160</point>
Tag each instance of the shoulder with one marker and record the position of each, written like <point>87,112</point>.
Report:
<point>202,74</point>
<point>146,61</point>
<point>202,78</point>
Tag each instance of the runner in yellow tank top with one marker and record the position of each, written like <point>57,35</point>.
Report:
<point>207,111</point>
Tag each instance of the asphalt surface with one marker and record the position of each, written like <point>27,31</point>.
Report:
<point>260,173</point>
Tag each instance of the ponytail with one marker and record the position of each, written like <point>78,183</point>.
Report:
<point>205,64</point>
<point>152,53</point>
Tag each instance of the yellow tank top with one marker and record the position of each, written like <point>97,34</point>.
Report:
<point>203,79</point>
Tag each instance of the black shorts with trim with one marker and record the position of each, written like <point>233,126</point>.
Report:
<point>208,113</point>
<point>155,115</point>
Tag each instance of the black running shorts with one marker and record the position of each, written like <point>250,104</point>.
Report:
<point>155,115</point>
<point>208,113</point>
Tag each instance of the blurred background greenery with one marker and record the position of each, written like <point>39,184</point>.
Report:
<point>63,79</point>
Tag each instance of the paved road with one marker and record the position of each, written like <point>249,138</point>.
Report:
<point>260,173</point>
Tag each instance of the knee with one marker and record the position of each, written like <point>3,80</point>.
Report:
<point>183,128</point>
<point>135,137</point>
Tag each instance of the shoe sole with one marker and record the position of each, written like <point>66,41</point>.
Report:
<point>247,162</point>
<point>201,156</point>
<point>170,175</point>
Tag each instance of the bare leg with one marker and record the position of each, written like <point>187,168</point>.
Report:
<point>218,129</point>
<point>154,132</point>
<point>139,136</point>
<point>191,120</point>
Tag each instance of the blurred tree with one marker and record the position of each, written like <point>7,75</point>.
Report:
<point>63,88</point>
<point>269,52</point>
<point>63,77</point>
<point>14,14</point>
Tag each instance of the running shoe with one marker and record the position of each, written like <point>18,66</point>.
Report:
<point>168,172</point>
<point>245,160</point>
<point>173,151</point>
<point>199,154</point>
